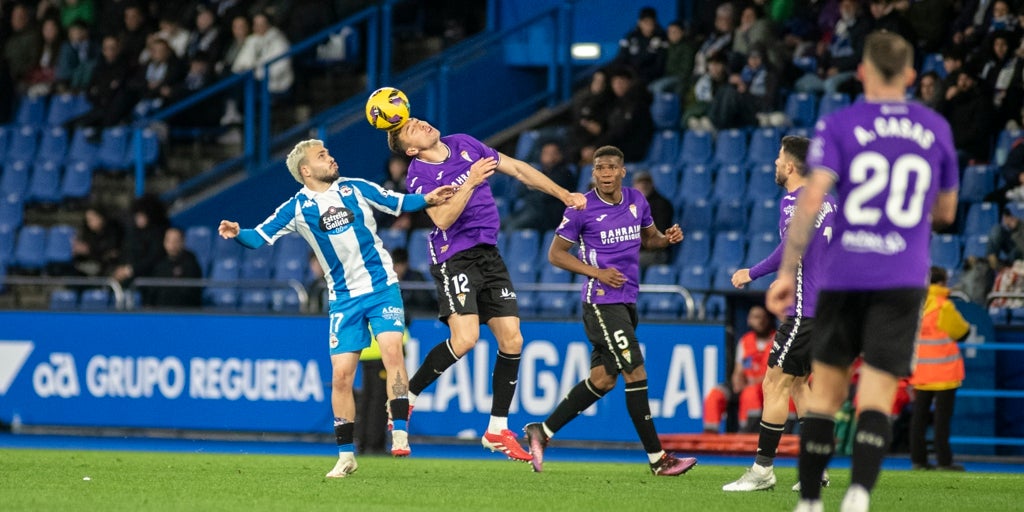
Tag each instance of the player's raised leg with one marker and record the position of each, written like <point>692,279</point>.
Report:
<point>504,381</point>
<point>343,371</point>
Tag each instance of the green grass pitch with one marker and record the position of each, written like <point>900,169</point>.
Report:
<point>38,480</point>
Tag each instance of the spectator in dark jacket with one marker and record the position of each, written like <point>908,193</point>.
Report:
<point>177,262</point>
<point>643,48</point>
<point>589,113</point>
<point>661,211</point>
<point>143,246</point>
<point>108,91</point>
<point>78,57</point>
<point>96,248</point>
<point>629,125</point>
<point>969,113</point>
<point>535,209</point>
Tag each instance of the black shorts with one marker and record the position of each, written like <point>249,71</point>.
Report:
<point>792,347</point>
<point>880,324</point>
<point>475,282</point>
<point>611,329</point>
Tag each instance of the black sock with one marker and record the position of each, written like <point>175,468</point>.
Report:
<point>399,409</point>
<point>581,396</point>
<point>817,443</point>
<point>639,408</point>
<point>768,443</point>
<point>870,444</point>
<point>504,380</point>
<point>437,361</point>
<point>344,432</point>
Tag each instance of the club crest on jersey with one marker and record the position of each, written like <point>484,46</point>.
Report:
<point>345,190</point>
<point>627,356</point>
<point>632,209</point>
<point>334,341</point>
<point>336,220</point>
<point>465,156</point>
<point>444,249</point>
<point>462,299</point>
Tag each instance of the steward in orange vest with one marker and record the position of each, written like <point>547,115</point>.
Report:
<point>937,375</point>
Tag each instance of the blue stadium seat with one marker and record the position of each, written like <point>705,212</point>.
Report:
<point>666,179</point>
<point>730,183</point>
<point>254,300</point>
<point>12,209</point>
<point>392,238</point>
<point>801,131</point>
<point>95,299</point>
<point>697,280</point>
<point>695,249</point>
<point>29,250</point>
<point>82,148</point>
<point>290,268</point>
<point>199,240</point>
<point>764,217</point>
<point>44,187</point>
<point>760,247</point>
<point>1004,143</point>
<point>545,245</point>
<point>77,182</point>
<point>980,218</point>
<point>664,148</point>
<point>832,102</point>
<point>697,148</point>
<point>527,301</point>
<point>223,297</point>
<point>764,145</point>
<point>801,109</point>
<point>284,301</point>
<point>58,243</point>
<point>23,143</point>
<point>933,62</point>
<point>556,303</point>
<point>523,246</point>
<point>978,181</point>
<point>63,300</point>
<point>63,108</point>
<point>7,235</point>
<point>728,249</point>
<point>113,152</point>
<point>761,183</point>
<point>976,246</point>
<point>5,140</point>
<point>697,215</point>
<point>225,249</point>
<point>528,146</point>
<point>945,250</point>
<point>696,182</point>
<point>53,144</point>
<point>150,148</point>
<point>722,280</point>
<point>31,111</point>
<point>665,110</point>
<point>731,147</point>
<point>291,246</point>
<point>584,179</point>
<point>522,273</point>
<point>660,274</point>
<point>731,215</point>
<point>419,253</point>
<point>15,178</point>
<point>256,263</point>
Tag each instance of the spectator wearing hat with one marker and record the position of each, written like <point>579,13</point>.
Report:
<point>643,48</point>
<point>970,116</point>
<point>661,211</point>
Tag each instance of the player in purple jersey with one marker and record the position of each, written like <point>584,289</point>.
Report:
<point>610,233</point>
<point>789,362</point>
<point>472,281</point>
<point>894,169</point>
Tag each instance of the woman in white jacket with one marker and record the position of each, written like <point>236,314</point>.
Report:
<point>264,44</point>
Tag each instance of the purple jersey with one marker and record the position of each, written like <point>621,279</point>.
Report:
<point>890,161</point>
<point>609,237</point>
<point>479,222</point>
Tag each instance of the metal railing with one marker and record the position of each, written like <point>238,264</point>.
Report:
<point>116,289</point>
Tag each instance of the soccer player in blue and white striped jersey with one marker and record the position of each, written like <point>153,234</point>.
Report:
<point>333,214</point>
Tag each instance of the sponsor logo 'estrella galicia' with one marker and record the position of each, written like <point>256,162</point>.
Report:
<point>336,220</point>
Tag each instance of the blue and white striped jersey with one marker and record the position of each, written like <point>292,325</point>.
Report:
<point>339,225</point>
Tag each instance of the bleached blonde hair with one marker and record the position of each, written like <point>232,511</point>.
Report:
<point>297,157</point>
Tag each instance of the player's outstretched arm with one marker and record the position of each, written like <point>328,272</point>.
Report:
<point>558,255</point>
<point>247,237</point>
<point>537,180</point>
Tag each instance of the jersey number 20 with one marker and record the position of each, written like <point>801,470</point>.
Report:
<point>901,210</point>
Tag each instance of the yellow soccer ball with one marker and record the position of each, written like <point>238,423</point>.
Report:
<point>387,109</point>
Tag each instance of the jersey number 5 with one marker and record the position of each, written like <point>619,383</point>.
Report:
<point>901,210</point>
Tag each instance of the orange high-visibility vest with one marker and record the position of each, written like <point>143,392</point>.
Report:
<point>939,365</point>
<point>755,362</point>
